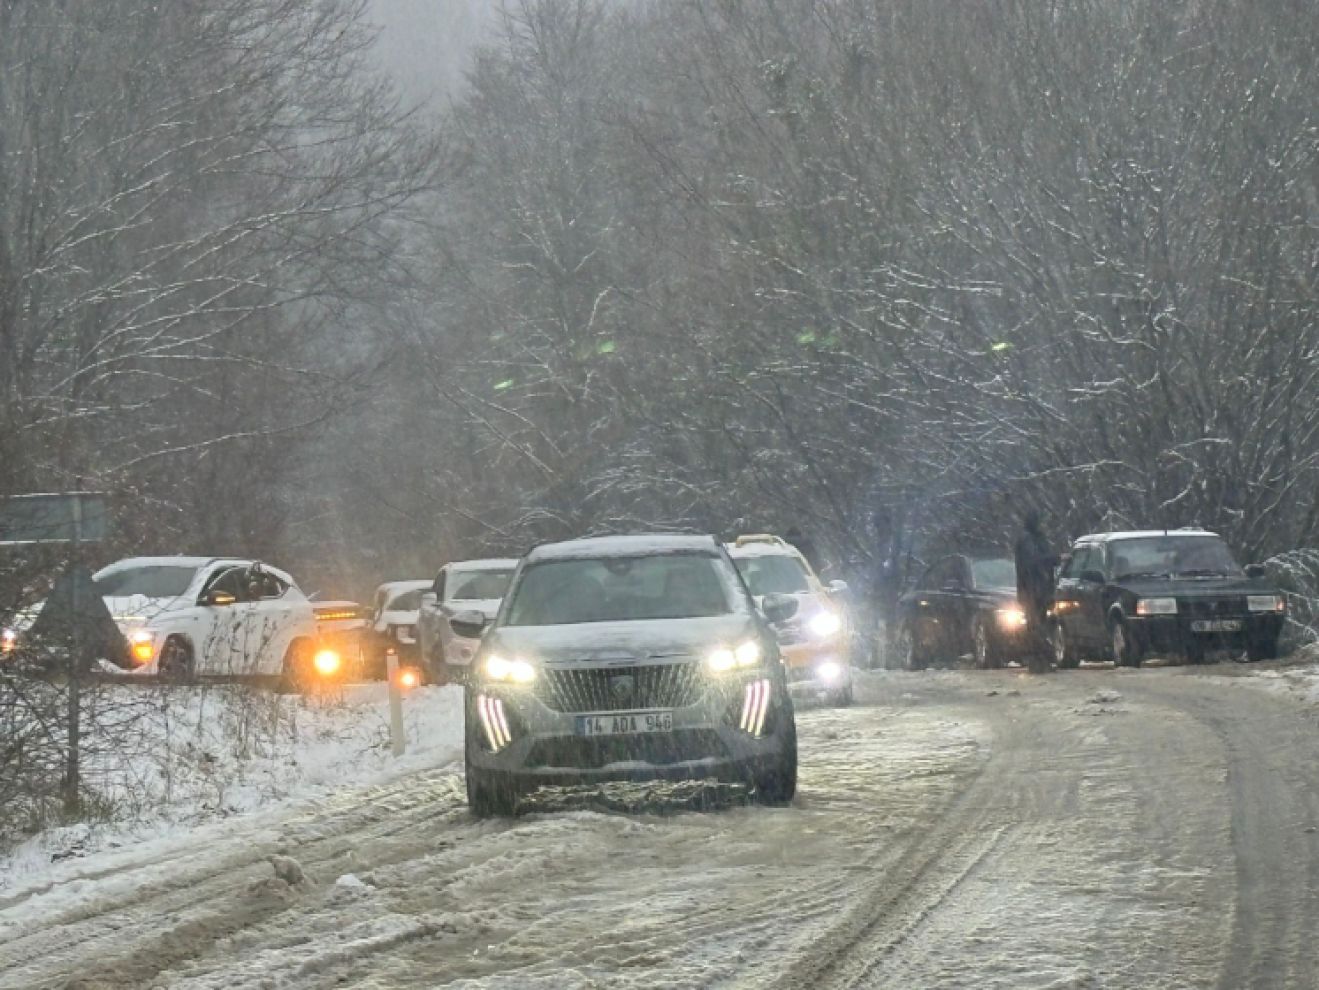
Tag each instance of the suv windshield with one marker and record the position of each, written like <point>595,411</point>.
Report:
<point>477,585</point>
<point>997,573</point>
<point>613,589</point>
<point>772,575</point>
<point>151,582</point>
<point>1172,555</point>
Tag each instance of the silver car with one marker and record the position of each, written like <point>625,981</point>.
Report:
<point>626,658</point>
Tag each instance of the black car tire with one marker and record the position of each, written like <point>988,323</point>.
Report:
<point>987,657</point>
<point>1261,648</point>
<point>777,784</point>
<point>176,662</point>
<point>489,795</point>
<point>910,654</point>
<point>1126,651</point>
<point>296,675</point>
<point>1064,650</point>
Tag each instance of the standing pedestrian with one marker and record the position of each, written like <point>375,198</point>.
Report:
<point>1035,564</point>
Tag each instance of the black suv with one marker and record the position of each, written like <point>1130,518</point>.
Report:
<point>1180,591</point>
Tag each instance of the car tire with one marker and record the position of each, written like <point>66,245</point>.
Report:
<point>1126,651</point>
<point>910,655</point>
<point>1064,650</point>
<point>1262,648</point>
<point>176,661</point>
<point>489,795</point>
<point>777,784</point>
<point>295,676</point>
<point>982,646</point>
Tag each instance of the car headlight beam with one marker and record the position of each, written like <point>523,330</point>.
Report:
<point>746,654</point>
<point>1156,606</point>
<point>824,624</point>
<point>514,671</point>
<point>1012,617</point>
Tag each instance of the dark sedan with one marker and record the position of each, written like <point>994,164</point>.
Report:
<point>962,604</point>
<point>1125,595</point>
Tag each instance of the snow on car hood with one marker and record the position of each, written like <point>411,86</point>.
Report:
<point>486,606</point>
<point>137,609</point>
<point>633,640</point>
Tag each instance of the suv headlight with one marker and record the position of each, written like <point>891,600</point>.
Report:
<point>1265,603</point>
<point>824,623</point>
<point>8,640</point>
<point>1012,617</point>
<point>498,668</point>
<point>1156,606</point>
<point>744,655</point>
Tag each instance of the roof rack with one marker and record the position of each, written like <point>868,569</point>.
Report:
<point>769,538</point>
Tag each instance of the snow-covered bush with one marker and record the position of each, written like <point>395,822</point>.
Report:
<point>1297,572</point>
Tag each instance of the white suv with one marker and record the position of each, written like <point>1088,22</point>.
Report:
<point>210,616</point>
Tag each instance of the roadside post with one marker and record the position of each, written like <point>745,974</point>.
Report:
<point>396,737</point>
<point>73,518</point>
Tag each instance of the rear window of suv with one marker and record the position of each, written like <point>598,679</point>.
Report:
<point>619,589</point>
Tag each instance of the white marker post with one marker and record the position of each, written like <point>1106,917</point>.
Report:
<point>396,736</point>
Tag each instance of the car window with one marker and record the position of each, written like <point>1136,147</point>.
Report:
<point>1084,558</point>
<point>150,581</point>
<point>773,575</point>
<point>408,601</point>
<point>264,586</point>
<point>232,580</point>
<point>672,586</point>
<point>945,572</point>
<point>478,585</point>
<point>1172,555</point>
<point>994,573</point>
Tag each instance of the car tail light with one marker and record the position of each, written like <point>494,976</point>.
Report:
<point>755,703</point>
<point>494,722</point>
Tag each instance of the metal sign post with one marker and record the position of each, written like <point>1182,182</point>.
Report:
<point>73,518</point>
<point>396,737</point>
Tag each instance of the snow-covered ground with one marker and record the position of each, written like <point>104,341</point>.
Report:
<point>215,754</point>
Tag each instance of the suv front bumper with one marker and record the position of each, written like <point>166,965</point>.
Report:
<point>1156,633</point>
<point>536,744</point>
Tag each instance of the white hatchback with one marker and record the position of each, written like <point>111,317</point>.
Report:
<point>211,617</point>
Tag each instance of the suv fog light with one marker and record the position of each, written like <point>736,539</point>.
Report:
<point>142,645</point>
<point>1013,617</point>
<point>755,703</point>
<point>494,722</point>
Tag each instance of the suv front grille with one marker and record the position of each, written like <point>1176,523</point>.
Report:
<point>669,685</point>
<point>1213,608</point>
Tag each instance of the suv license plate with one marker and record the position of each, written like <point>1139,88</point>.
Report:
<point>630,724</point>
<point>1216,625</point>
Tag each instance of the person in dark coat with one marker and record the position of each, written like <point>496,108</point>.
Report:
<point>1035,563</point>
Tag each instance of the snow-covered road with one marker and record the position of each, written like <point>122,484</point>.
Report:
<point>1152,828</point>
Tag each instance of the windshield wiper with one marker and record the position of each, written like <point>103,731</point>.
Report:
<point>1204,572</point>
<point>1142,574</point>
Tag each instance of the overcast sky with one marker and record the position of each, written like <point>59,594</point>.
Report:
<point>425,43</point>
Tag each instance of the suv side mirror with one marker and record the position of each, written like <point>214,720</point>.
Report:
<point>469,624</point>
<point>1256,571</point>
<point>1092,577</point>
<point>778,608</point>
<point>218,598</point>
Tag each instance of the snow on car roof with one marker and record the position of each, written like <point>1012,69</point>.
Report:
<point>1136,534</point>
<point>487,564</point>
<point>404,586</point>
<point>638,545</point>
<point>181,561</point>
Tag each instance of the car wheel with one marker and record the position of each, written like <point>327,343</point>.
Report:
<point>1262,648</point>
<point>777,784</point>
<point>909,650</point>
<point>175,663</point>
<point>295,676</point>
<point>489,795</point>
<point>986,657</point>
<point>1064,650</point>
<point>1194,652</point>
<point>1125,649</point>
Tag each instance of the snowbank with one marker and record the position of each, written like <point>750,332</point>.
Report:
<point>209,753</point>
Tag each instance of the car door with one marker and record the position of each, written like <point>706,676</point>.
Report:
<point>272,621</point>
<point>957,606</point>
<point>1088,592</point>
<point>223,633</point>
<point>923,618</point>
